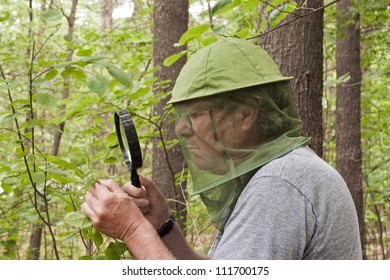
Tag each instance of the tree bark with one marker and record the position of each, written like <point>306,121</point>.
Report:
<point>170,22</point>
<point>106,10</point>
<point>298,49</point>
<point>348,136</point>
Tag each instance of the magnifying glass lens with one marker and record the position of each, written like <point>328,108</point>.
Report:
<point>126,146</point>
<point>129,144</point>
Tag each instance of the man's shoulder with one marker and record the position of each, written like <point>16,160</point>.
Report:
<point>301,169</point>
<point>297,163</point>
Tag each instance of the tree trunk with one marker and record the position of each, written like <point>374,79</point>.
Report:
<point>170,22</point>
<point>36,235</point>
<point>35,243</point>
<point>348,137</point>
<point>65,92</point>
<point>297,48</point>
<point>106,9</point>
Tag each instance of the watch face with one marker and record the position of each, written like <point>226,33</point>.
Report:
<point>166,227</point>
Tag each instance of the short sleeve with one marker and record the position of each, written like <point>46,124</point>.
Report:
<point>271,220</point>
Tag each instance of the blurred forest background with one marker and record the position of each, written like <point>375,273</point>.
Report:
<point>67,66</point>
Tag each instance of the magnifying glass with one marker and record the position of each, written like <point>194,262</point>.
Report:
<point>129,144</point>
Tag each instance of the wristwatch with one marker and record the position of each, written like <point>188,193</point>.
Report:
<point>166,227</point>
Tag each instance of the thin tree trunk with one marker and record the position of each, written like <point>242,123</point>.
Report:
<point>348,136</point>
<point>35,243</point>
<point>65,92</point>
<point>36,235</point>
<point>170,22</point>
<point>298,49</point>
<point>106,10</point>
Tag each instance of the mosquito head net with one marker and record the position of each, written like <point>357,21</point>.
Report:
<point>234,113</point>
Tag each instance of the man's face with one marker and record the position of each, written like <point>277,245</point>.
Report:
<point>207,131</point>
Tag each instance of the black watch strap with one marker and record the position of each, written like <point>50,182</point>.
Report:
<point>166,227</point>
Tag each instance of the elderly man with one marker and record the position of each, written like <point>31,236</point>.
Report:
<point>269,195</point>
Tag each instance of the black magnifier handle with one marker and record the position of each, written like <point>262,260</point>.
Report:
<point>135,178</point>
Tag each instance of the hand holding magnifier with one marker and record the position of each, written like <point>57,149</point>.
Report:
<point>128,141</point>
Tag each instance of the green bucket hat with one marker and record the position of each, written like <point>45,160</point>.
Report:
<point>226,65</point>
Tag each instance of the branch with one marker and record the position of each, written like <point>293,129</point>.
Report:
<point>19,135</point>
<point>287,23</point>
<point>45,42</point>
<point>276,8</point>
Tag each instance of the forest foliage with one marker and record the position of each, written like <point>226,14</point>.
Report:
<point>105,69</point>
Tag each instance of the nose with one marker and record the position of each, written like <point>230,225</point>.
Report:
<point>182,130</point>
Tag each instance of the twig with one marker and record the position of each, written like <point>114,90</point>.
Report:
<point>287,23</point>
<point>276,8</point>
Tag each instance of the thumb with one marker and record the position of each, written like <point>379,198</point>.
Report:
<point>150,186</point>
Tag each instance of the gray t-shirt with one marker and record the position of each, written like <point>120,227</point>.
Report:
<point>295,207</point>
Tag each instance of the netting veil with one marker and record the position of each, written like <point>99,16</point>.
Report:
<point>234,114</point>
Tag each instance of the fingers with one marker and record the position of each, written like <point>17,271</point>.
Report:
<point>135,192</point>
<point>110,185</point>
<point>100,191</point>
<point>88,211</point>
<point>150,186</point>
<point>139,196</point>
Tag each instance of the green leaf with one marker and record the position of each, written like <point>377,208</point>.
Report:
<point>209,40</point>
<point>262,25</point>
<point>274,4</point>
<point>89,181</point>
<point>51,74</point>
<point>8,85</point>
<point>120,75</point>
<point>223,6</point>
<point>279,14</point>
<point>39,82</point>
<point>140,92</point>
<point>39,177</point>
<point>63,64</point>
<point>98,59</point>
<point>96,237</point>
<point>62,163</point>
<point>4,15</point>
<point>20,153</point>
<point>291,6</point>
<point>242,33</point>
<point>110,160</point>
<point>192,33</point>
<point>31,158</point>
<point>56,172</point>
<point>52,17</point>
<point>69,236</point>
<point>85,258</point>
<point>31,123</point>
<point>112,139</point>
<point>98,85</point>
<point>86,52</point>
<point>250,5</point>
<point>46,100</point>
<point>173,58</point>
<point>7,187</point>
<point>75,73</point>
<point>77,219</point>
<point>7,118</point>
<point>115,250</point>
